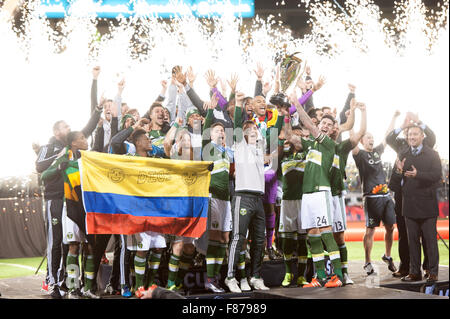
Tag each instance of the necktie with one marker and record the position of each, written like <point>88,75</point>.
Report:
<point>415,151</point>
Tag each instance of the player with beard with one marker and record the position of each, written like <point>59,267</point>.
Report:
<point>378,204</point>
<point>159,127</point>
<point>316,199</point>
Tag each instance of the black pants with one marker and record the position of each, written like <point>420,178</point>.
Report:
<point>247,215</point>
<point>403,247</point>
<point>424,229</point>
<point>55,261</point>
<point>121,264</point>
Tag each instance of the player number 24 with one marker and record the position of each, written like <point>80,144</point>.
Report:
<point>321,221</point>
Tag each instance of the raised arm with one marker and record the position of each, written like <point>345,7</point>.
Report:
<point>170,136</point>
<point>304,118</point>
<point>259,72</point>
<point>391,127</point>
<point>95,74</point>
<point>350,96</point>
<point>172,100</point>
<point>348,124</point>
<point>355,138</point>
<point>93,121</point>
<point>239,134</point>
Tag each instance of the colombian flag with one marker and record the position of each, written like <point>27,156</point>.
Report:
<point>132,194</point>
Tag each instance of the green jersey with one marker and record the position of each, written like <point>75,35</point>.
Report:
<point>319,158</point>
<point>293,167</point>
<point>157,137</point>
<point>337,173</point>
<point>219,186</point>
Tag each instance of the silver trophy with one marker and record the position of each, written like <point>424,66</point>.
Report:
<point>290,68</point>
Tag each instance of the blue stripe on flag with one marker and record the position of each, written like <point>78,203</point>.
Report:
<point>108,203</point>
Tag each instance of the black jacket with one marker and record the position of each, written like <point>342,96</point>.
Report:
<point>401,147</point>
<point>99,139</point>
<point>420,193</point>
<point>54,188</point>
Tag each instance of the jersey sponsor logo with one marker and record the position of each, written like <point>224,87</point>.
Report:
<point>314,156</point>
<point>189,178</point>
<point>288,166</point>
<point>54,221</point>
<point>243,211</point>
<point>116,175</point>
<point>222,165</point>
<point>140,245</point>
<point>69,235</point>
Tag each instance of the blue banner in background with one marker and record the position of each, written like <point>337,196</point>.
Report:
<point>148,8</point>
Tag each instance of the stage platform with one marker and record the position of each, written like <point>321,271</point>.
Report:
<point>348,292</point>
<point>381,284</point>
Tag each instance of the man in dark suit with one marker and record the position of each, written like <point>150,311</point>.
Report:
<point>401,147</point>
<point>422,171</point>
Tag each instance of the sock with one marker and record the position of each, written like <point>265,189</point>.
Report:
<point>302,252</point>
<point>270,229</point>
<point>344,258</point>
<point>211,253</point>
<point>173,270</point>
<point>220,256</point>
<point>185,264</point>
<point>89,272</point>
<point>317,255</point>
<point>241,265</point>
<point>153,266</point>
<point>73,271</point>
<point>333,253</point>
<point>139,269</point>
<point>287,245</point>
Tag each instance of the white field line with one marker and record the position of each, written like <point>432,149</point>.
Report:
<point>24,267</point>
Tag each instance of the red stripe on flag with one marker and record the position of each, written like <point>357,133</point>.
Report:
<point>100,223</point>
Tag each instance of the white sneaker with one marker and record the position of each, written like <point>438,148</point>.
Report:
<point>369,269</point>
<point>90,295</point>
<point>347,280</point>
<point>232,284</point>
<point>258,284</point>
<point>244,285</point>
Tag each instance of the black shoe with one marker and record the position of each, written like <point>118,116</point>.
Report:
<point>390,262</point>
<point>54,293</point>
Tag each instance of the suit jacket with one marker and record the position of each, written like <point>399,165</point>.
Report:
<point>401,147</point>
<point>420,193</point>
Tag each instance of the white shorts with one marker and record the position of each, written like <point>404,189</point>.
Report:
<point>290,216</point>
<point>71,231</point>
<point>339,215</point>
<point>219,215</point>
<point>145,241</point>
<point>316,210</point>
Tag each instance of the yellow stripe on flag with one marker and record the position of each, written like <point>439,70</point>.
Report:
<point>146,177</point>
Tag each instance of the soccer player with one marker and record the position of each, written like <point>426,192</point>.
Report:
<point>72,228</point>
<point>293,164</point>
<point>316,199</point>
<point>378,204</point>
<point>247,206</point>
<point>149,240</point>
<point>337,176</point>
<point>219,218</point>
